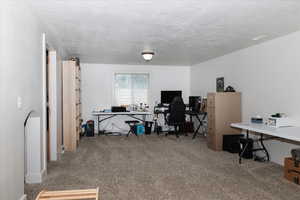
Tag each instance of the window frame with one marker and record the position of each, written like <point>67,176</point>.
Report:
<point>113,101</point>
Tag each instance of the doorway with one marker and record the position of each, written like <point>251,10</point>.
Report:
<point>47,106</point>
<point>52,112</point>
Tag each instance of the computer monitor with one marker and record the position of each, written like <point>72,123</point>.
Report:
<point>193,102</point>
<point>168,96</point>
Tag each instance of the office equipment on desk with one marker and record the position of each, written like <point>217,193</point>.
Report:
<point>193,101</point>
<point>258,120</point>
<point>266,132</point>
<point>109,115</point>
<point>118,109</point>
<point>177,114</point>
<point>222,110</point>
<point>168,96</point>
<point>279,122</point>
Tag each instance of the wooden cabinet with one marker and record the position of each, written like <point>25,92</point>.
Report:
<point>222,110</point>
<point>71,104</point>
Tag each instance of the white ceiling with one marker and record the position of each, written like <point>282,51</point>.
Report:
<point>181,32</point>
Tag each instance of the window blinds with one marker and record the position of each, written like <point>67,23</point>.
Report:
<point>131,88</point>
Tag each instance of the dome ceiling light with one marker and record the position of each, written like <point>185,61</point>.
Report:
<point>147,55</point>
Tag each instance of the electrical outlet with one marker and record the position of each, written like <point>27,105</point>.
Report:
<point>19,102</point>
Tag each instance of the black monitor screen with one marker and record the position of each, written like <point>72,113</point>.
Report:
<point>168,96</point>
<point>193,101</point>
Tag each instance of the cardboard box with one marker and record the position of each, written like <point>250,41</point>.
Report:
<point>291,171</point>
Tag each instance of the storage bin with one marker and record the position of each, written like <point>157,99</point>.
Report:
<point>139,129</point>
<point>148,127</point>
<point>291,171</point>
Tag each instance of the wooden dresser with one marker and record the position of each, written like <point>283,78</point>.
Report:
<point>71,104</point>
<point>222,110</point>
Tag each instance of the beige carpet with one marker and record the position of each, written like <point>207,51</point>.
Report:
<point>152,167</point>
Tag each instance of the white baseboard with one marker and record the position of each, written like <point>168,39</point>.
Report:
<point>44,174</point>
<point>36,177</point>
<point>33,178</point>
<point>24,197</point>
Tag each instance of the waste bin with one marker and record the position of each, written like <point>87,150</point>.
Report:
<point>139,129</point>
<point>90,128</point>
<point>148,127</point>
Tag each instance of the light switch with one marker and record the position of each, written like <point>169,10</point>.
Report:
<point>19,102</point>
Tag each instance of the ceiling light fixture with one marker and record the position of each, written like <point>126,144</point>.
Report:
<point>259,37</point>
<point>147,55</point>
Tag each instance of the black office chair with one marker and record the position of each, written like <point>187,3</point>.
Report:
<point>131,124</point>
<point>176,116</point>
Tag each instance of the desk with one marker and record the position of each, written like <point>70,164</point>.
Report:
<point>197,115</point>
<point>108,115</point>
<point>187,112</point>
<point>289,133</point>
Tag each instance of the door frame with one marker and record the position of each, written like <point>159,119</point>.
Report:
<point>55,126</point>
<point>44,103</point>
<point>55,104</point>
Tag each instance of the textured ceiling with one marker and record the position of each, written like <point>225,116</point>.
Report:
<point>181,32</point>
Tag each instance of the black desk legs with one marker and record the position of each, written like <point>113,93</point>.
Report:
<point>261,141</point>
<point>199,126</point>
<point>263,147</point>
<point>156,125</point>
<point>98,124</point>
<point>101,120</point>
<point>241,154</point>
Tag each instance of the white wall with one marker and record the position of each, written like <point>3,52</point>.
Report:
<point>268,77</point>
<point>21,75</point>
<point>97,85</point>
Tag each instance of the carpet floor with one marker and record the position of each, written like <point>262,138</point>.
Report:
<point>152,167</point>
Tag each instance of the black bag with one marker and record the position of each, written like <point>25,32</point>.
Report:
<point>90,128</point>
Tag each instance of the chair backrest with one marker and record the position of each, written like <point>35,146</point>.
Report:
<point>177,112</point>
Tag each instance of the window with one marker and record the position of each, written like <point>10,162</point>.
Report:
<point>131,88</point>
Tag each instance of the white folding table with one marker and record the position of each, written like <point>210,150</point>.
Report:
<point>267,132</point>
<point>108,115</point>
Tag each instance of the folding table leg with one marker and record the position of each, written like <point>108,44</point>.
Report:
<point>98,124</point>
<point>242,153</point>
<point>263,146</point>
<point>128,133</point>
